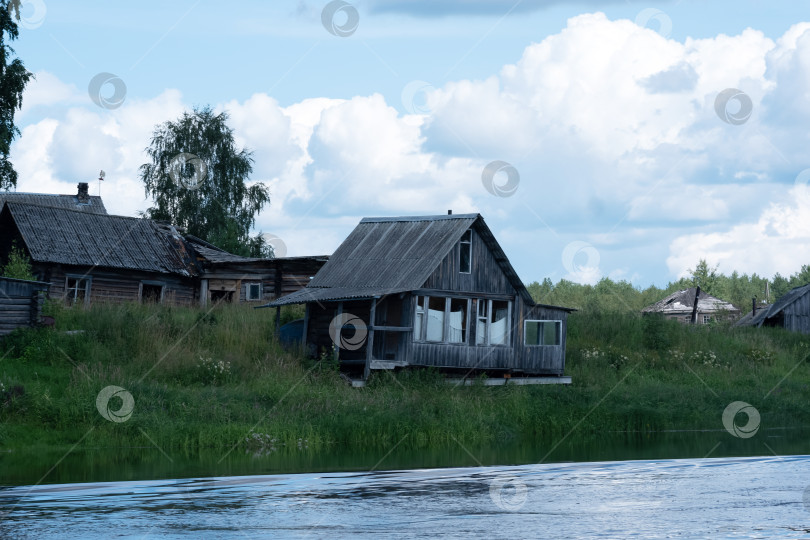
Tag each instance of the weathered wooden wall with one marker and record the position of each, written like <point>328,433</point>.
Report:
<point>486,276</point>
<point>20,303</point>
<point>117,285</point>
<point>797,315</point>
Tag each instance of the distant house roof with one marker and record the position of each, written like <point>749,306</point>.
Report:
<point>214,255</point>
<point>94,204</point>
<point>682,302</point>
<point>58,235</point>
<point>384,256</point>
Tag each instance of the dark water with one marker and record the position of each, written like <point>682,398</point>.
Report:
<point>668,485</point>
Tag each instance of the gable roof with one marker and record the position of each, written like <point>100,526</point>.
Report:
<point>789,297</point>
<point>94,203</point>
<point>58,235</point>
<point>755,320</point>
<point>391,255</point>
<point>684,301</point>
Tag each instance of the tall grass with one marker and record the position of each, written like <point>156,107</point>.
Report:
<point>220,379</point>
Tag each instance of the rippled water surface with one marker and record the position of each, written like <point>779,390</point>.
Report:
<point>750,497</point>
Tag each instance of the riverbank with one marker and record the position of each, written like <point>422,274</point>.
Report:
<point>220,382</point>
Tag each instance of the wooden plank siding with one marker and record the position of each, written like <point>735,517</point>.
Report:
<point>486,275</point>
<point>20,303</point>
<point>797,315</point>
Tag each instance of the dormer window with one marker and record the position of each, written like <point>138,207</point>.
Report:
<point>465,253</point>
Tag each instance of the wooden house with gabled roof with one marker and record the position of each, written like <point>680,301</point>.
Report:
<point>428,291</point>
<point>791,311</point>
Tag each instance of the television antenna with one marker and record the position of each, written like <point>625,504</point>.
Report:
<point>101,175</point>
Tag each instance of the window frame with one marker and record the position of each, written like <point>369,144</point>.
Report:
<point>461,244</point>
<point>78,278</point>
<point>423,310</point>
<point>250,284</point>
<point>558,334</point>
<point>507,342</point>
<point>707,319</point>
<point>161,284</point>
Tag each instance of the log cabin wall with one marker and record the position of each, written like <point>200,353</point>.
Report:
<point>116,286</point>
<point>20,303</point>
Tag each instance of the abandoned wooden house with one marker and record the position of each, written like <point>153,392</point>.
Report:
<point>429,291</point>
<point>82,201</point>
<point>87,256</point>
<point>680,306</point>
<point>20,303</point>
<point>228,277</point>
<point>792,312</point>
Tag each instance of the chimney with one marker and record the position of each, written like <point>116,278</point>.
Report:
<point>449,212</point>
<point>83,195</point>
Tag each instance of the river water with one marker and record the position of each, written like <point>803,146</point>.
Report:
<point>712,497</point>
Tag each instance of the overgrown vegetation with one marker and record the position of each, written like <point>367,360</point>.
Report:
<point>18,265</point>
<point>220,380</point>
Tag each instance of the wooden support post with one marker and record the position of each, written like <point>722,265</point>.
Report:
<point>695,307</point>
<point>306,327</point>
<point>335,344</point>
<point>370,340</point>
<point>203,293</point>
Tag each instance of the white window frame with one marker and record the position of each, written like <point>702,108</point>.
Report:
<point>558,333</point>
<point>78,278</point>
<point>707,319</point>
<point>250,284</point>
<point>461,243</point>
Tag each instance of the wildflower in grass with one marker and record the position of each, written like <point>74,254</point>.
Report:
<point>213,371</point>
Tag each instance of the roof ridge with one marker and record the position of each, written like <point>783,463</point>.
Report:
<point>63,209</point>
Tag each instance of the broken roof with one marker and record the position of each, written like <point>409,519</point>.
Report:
<point>683,301</point>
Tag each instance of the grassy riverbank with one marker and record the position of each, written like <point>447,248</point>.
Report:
<point>219,380</point>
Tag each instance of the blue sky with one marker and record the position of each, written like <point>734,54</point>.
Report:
<point>607,111</point>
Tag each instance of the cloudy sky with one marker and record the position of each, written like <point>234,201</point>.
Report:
<point>630,139</point>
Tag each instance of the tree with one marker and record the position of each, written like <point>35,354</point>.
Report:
<point>197,179</point>
<point>704,277</point>
<point>18,265</point>
<point>13,78</point>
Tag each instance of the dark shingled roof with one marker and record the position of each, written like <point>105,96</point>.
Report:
<point>391,255</point>
<point>213,254</point>
<point>73,237</point>
<point>94,204</point>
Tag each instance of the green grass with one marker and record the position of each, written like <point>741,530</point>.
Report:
<point>213,381</point>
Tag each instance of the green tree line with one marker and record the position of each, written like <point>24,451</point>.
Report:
<point>608,295</point>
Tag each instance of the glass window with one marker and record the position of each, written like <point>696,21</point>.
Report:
<point>465,253</point>
<point>254,291</point>
<point>420,317</point>
<point>542,333</point>
<point>499,329</point>
<point>481,325</point>
<point>457,327</point>
<point>435,319</point>
<point>77,290</point>
<point>707,319</point>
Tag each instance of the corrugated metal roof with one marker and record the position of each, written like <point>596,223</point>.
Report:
<point>789,297</point>
<point>684,300</point>
<point>396,254</point>
<point>748,320</point>
<point>73,237</point>
<point>94,203</point>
